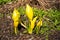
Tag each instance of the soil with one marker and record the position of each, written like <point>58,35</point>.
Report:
<point>7,32</point>
<point>6,24</point>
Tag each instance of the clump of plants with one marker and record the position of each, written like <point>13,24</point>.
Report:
<point>32,20</point>
<point>39,21</point>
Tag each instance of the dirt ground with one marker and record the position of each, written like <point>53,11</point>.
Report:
<point>7,33</point>
<point>6,24</point>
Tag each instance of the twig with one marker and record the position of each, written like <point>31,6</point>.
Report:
<point>23,25</point>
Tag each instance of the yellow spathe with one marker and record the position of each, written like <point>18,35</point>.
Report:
<point>39,23</point>
<point>32,25</point>
<point>15,17</point>
<point>29,12</point>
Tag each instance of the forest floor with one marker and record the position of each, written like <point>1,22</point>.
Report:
<point>6,26</point>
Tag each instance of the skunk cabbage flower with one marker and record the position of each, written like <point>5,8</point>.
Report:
<point>32,25</point>
<point>39,23</point>
<point>15,15</point>
<point>29,12</point>
<point>15,18</point>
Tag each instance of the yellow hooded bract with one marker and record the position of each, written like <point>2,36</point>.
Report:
<point>29,12</point>
<point>32,25</point>
<point>39,23</point>
<point>15,15</point>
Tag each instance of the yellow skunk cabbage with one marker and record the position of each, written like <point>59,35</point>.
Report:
<point>32,25</point>
<point>15,17</point>
<point>40,22</point>
<point>29,12</point>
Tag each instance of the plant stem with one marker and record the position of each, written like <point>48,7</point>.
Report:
<point>15,30</point>
<point>23,25</point>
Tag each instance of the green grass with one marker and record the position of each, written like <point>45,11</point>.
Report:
<point>21,10</point>
<point>5,1</point>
